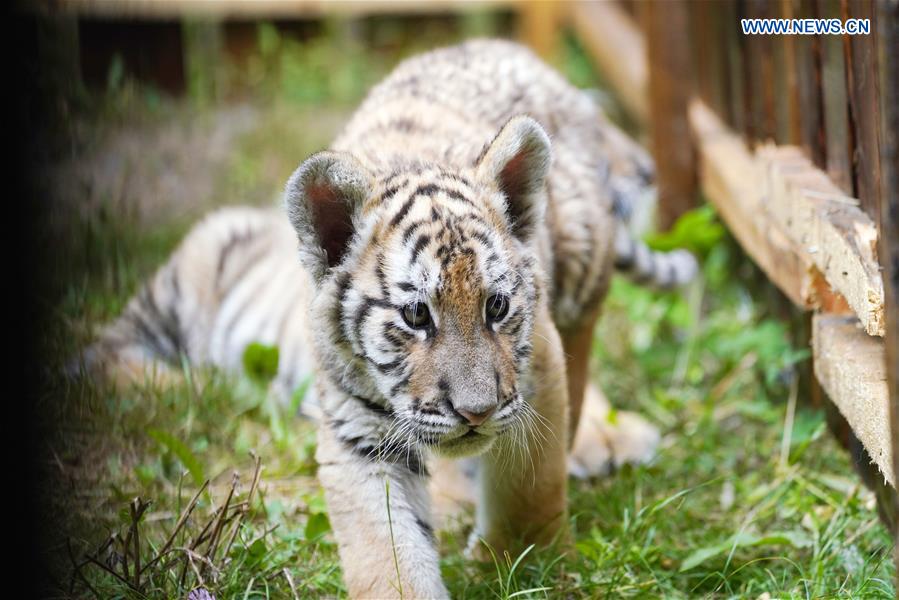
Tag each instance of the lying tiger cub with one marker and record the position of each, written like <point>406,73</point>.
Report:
<point>455,245</point>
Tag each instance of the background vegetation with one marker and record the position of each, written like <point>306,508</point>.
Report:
<point>748,497</point>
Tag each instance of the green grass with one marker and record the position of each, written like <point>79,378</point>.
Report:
<point>734,505</point>
<point>725,510</point>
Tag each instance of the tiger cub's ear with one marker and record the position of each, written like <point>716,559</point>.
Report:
<point>518,161</point>
<point>323,197</point>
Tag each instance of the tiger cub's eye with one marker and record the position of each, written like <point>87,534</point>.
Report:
<point>417,315</point>
<point>497,307</point>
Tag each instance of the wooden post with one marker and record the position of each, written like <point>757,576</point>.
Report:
<point>539,26</point>
<point>669,95</point>
<point>888,32</point>
<point>616,45</point>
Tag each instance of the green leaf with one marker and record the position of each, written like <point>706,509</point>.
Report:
<point>179,449</point>
<point>745,539</point>
<point>696,230</point>
<point>317,525</point>
<point>316,502</point>
<point>257,549</point>
<point>612,417</point>
<point>260,362</point>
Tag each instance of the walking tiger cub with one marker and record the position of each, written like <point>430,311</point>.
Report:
<point>440,269</point>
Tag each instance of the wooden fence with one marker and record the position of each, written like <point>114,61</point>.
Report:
<point>794,139</point>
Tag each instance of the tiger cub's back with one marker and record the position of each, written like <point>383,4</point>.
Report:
<point>445,106</point>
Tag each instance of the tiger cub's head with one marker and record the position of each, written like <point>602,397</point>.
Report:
<point>427,283</point>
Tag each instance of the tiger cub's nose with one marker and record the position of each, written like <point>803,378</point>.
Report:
<point>474,419</point>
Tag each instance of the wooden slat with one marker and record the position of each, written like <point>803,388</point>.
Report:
<point>669,93</point>
<point>763,80</point>
<point>733,49</point>
<point>850,366</point>
<point>722,87</point>
<point>808,67</point>
<point>791,91</point>
<point>618,49</point>
<point>836,102</point>
<point>760,78</point>
<point>781,83</point>
<point>700,57</point>
<point>864,103</point>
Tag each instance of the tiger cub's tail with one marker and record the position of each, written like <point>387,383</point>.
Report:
<point>630,175</point>
<point>663,270</point>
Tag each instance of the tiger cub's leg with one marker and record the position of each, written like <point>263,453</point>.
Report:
<point>577,343</point>
<point>523,491</point>
<point>605,440</point>
<point>171,318</point>
<point>384,553</point>
<point>600,440</point>
<point>145,343</point>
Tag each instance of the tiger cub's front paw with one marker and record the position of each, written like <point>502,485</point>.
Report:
<point>603,444</point>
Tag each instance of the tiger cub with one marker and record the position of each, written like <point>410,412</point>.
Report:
<point>440,269</point>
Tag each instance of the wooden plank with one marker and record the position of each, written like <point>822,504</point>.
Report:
<point>616,45</point>
<point>827,228</point>
<point>730,179</point>
<point>669,93</point>
<point>850,366</point>
<point>810,239</point>
<point>256,9</point>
